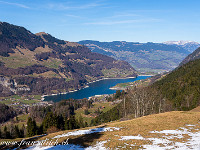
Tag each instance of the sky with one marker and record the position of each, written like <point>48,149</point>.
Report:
<point>107,20</point>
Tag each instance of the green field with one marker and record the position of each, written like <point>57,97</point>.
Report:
<point>103,107</point>
<point>20,100</point>
<point>113,73</point>
<point>138,83</point>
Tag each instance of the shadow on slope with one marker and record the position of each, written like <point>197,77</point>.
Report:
<point>87,139</point>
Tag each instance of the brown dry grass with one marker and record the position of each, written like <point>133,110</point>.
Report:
<point>139,126</point>
<point>48,74</point>
<point>42,50</point>
<point>197,109</point>
<point>72,44</point>
<point>21,58</point>
<point>158,122</point>
<point>24,57</point>
<point>142,126</point>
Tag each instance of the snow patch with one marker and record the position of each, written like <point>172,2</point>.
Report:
<point>190,125</point>
<point>39,147</point>
<point>98,146</point>
<point>165,142</point>
<point>181,42</point>
<point>90,131</point>
<point>139,137</point>
<point>167,132</point>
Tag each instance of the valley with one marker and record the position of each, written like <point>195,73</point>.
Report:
<point>145,57</point>
<point>100,87</point>
<point>75,96</point>
<point>42,64</point>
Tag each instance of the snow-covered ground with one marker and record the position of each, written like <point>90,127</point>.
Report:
<point>98,146</point>
<point>90,131</point>
<point>165,139</point>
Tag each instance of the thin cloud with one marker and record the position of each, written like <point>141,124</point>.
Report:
<point>72,16</point>
<point>152,10</point>
<point>62,6</point>
<point>15,4</point>
<point>125,15</point>
<point>123,22</point>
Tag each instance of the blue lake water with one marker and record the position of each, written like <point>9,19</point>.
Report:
<point>95,88</point>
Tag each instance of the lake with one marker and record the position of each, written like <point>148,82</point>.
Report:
<point>96,88</point>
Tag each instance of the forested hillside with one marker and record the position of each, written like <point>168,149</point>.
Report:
<point>64,115</point>
<point>178,90</point>
<point>181,87</point>
<point>193,56</point>
<point>42,64</point>
<point>6,113</point>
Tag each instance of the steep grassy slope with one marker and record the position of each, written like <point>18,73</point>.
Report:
<point>134,130</point>
<point>169,130</point>
<point>43,64</point>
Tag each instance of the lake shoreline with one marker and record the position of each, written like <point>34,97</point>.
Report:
<point>147,75</point>
<point>117,87</point>
<point>87,85</point>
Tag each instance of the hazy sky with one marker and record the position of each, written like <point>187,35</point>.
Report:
<point>107,20</point>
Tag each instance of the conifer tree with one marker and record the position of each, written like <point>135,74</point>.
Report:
<point>31,127</point>
<point>23,131</point>
<point>6,133</point>
<point>118,94</point>
<point>50,120</point>
<point>81,124</point>
<point>61,122</point>
<point>66,124</point>
<point>0,134</point>
<point>86,124</point>
<point>12,131</point>
<point>73,123</point>
<point>17,132</point>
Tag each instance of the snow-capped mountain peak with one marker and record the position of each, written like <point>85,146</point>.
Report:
<point>181,42</point>
<point>188,45</point>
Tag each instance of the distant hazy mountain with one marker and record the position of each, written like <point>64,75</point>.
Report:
<point>188,45</point>
<point>42,64</point>
<point>148,57</point>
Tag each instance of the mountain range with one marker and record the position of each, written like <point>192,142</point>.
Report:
<point>177,90</point>
<point>42,64</point>
<point>145,57</point>
<point>160,110</point>
<point>188,45</point>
